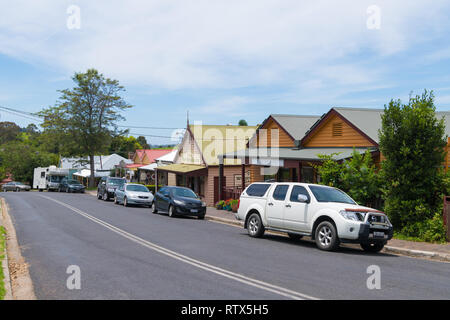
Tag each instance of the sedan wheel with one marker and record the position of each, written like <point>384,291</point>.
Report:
<point>326,236</point>
<point>125,202</point>
<point>115,200</point>
<point>154,210</point>
<point>171,212</point>
<point>18,189</point>
<point>255,227</point>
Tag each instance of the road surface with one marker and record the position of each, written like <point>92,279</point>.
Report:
<point>130,253</point>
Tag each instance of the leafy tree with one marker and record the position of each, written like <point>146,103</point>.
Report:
<point>85,117</point>
<point>143,142</point>
<point>8,131</point>
<point>242,122</point>
<point>356,176</point>
<point>20,158</point>
<point>123,145</point>
<point>412,140</point>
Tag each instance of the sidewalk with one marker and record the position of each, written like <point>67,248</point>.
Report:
<point>410,248</point>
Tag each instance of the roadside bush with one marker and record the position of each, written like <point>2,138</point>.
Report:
<point>357,176</point>
<point>412,140</point>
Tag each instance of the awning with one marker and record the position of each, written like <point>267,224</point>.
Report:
<point>185,169</point>
<point>257,155</point>
<point>87,173</point>
<point>150,167</point>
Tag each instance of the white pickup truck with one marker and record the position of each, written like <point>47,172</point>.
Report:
<point>328,215</point>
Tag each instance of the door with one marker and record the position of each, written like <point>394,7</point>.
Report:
<point>120,191</point>
<point>296,212</point>
<point>163,199</point>
<point>275,206</point>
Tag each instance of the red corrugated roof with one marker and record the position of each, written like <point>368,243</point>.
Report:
<point>152,154</point>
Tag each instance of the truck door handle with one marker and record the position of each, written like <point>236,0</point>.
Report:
<point>288,206</point>
<point>270,204</point>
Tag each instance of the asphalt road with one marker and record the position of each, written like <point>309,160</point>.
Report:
<point>130,253</point>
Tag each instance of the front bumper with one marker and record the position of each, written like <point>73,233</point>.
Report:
<point>369,234</point>
<point>188,211</point>
<point>143,202</point>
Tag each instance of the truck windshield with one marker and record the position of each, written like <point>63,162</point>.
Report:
<point>116,182</point>
<point>327,194</point>
<point>56,178</point>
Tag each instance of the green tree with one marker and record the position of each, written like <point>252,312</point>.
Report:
<point>85,117</point>
<point>412,140</point>
<point>356,176</point>
<point>20,158</point>
<point>123,145</point>
<point>242,122</point>
<point>143,142</point>
<point>8,131</point>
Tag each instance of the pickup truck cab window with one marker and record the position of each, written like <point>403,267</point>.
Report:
<point>257,189</point>
<point>280,192</point>
<point>296,190</point>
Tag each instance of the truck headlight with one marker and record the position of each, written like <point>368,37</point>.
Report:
<point>203,204</point>
<point>349,215</point>
<point>111,190</point>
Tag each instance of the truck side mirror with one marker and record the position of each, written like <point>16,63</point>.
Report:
<point>302,198</point>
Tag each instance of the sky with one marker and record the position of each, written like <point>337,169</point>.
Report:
<point>223,61</point>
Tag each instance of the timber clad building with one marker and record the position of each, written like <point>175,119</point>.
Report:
<point>282,148</point>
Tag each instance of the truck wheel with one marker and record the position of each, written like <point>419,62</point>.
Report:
<point>105,196</point>
<point>372,247</point>
<point>326,236</point>
<point>255,226</point>
<point>98,195</point>
<point>294,236</point>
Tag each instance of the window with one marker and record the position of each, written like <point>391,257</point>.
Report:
<point>183,192</point>
<point>296,190</point>
<point>137,188</point>
<point>337,129</point>
<point>280,192</point>
<point>328,194</point>
<point>257,190</point>
<point>42,174</point>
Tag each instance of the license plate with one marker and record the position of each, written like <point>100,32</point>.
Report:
<point>194,210</point>
<point>378,234</point>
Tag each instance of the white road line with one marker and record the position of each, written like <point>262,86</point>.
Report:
<point>196,263</point>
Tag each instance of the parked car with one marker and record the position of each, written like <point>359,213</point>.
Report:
<point>133,193</point>
<point>15,186</point>
<point>179,201</point>
<point>328,215</point>
<point>70,185</point>
<point>107,187</point>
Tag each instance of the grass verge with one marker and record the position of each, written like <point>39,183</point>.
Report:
<point>2,256</point>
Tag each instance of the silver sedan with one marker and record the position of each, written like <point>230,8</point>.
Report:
<point>133,193</point>
<point>15,186</point>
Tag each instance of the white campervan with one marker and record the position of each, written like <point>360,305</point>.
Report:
<point>48,178</point>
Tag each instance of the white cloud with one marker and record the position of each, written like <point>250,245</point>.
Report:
<point>218,44</point>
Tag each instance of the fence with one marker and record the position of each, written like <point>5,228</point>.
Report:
<point>446,215</point>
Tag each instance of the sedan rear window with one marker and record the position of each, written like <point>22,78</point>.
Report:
<point>257,190</point>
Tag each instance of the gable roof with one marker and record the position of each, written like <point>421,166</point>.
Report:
<point>152,154</point>
<point>295,125</point>
<point>227,138</point>
<point>367,121</point>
